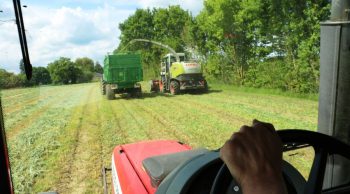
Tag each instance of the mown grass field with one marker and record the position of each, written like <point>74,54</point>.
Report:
<point>60,136</point>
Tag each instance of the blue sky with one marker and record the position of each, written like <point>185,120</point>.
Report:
<point>70,28</point>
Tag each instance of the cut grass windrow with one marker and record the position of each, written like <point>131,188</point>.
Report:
<point>31,151</point>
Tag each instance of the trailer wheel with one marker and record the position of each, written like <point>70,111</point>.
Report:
<point>174,87</point>
<point>103,87</point>
<point>109,92</point>
<point>136,92</point>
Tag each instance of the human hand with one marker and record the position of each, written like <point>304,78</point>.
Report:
<point>254,157</point>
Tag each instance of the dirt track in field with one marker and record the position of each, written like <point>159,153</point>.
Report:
<point>83,128</point>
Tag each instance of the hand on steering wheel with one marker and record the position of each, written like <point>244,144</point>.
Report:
<point>253,156</point>
<point>257,170</point>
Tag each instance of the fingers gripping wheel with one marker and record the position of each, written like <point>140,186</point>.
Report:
<point>323,145</point>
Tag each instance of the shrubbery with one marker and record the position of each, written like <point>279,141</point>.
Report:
<point>60,71</point>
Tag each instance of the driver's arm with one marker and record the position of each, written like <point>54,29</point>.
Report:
<point>254,157</point>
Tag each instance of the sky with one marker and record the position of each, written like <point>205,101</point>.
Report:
<point>70,28</point>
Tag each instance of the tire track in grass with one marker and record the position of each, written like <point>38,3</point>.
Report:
<point>201,126</point>
<point>153,130</point>
<point>85,174</point>
<point>31,117</point>
<point>58,160</point>
<point>139,127</point>
<point>187,133</point>
<point>167,125</point>
<point>112,131</point>
<point>121,133</point>
<point>64,182</point>
<point>116,127</point>
<point>220,114</point>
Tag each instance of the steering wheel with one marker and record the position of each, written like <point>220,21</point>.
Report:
<point>323,145</point>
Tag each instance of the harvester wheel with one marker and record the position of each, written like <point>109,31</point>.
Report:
<point>109,92</point>
<point>206,89</point>
<point>174,87</point>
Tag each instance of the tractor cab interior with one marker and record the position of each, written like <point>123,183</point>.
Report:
<point>202,171</point>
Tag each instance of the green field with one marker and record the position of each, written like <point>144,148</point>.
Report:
<point>60,136</point>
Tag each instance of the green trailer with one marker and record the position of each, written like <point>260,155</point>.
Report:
<point>122,74</point>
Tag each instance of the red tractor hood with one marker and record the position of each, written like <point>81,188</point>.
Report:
<point>128,174</point>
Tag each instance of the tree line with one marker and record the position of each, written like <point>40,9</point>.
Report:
<point>255,43</point>
<point>60,71</point>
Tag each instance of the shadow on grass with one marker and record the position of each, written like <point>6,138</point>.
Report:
<point>145,95</point>
<point>199,92</point>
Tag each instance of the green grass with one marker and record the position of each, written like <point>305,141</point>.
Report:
<point>60,136</point>
<point>279,92</point>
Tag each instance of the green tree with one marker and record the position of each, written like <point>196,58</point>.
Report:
<point>98,68</point>
<point>41,76</point>
<point>165,25</point>
<point>64,71</point>
<point>10,80</point>
<point>242,35</point>
<point>86,65</point>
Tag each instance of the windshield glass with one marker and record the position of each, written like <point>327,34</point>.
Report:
<point>91,89</point>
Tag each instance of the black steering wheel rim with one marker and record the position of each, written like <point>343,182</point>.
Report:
<point>323,145</point>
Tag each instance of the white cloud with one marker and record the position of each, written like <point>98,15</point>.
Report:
<point>192,5</point>
<point>72,30</point>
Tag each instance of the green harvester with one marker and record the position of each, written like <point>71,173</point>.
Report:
<point>122,73</point>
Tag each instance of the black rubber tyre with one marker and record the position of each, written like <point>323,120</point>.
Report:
<point>174,87</point>
<point>109,92</point>
<point>163,88</point>
<point>103,87</point>
<point>136,92</point>
<point>205,89</point>
<point>154,88</point>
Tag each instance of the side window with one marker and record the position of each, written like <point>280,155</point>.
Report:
<point>172,59</point>
<point>337,172</point>
<point>162,68</point>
